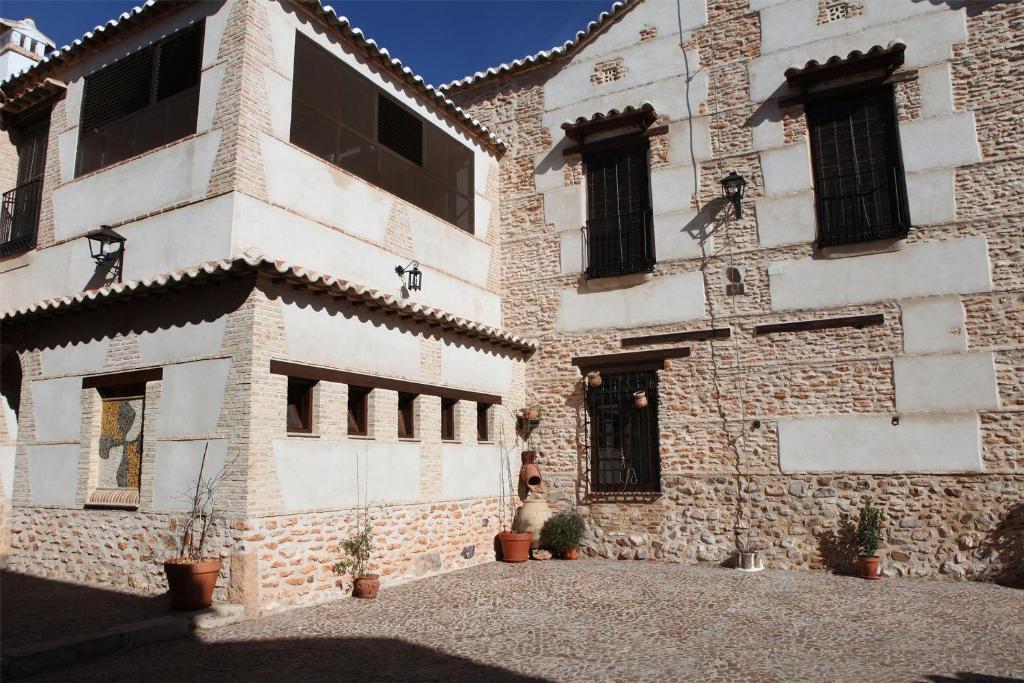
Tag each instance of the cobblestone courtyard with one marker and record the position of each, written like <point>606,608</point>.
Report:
<point>600,620</point>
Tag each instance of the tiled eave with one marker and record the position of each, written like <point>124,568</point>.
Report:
<point>889,57</point>
<point>146,13</point>
<point>253,262</point>
<point>642,117</point>
<point>545,56</point>
<point>30,100</point>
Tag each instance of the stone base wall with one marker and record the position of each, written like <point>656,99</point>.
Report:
<point>958,526</point>
<point>270,563</point>
<point>295,553</point>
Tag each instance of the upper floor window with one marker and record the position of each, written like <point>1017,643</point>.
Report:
<point>299,410</point>
<point>859,186</point>
<point>358,410</point>
<point>448,419</point>
<point>345,119</point>
<point>140,102</point>
<point>619,235</point>
<point>19,213</point>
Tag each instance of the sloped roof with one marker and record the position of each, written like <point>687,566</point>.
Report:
<point>568,47</point>
<point>152,9</point>
<point>253,259</point>
<point>643,115</point>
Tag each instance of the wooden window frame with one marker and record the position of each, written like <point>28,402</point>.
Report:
<point>483,426</point>
<point>304,409</point>
<point>407,415</point>
<point>449,431</point>
<point>358,410</point>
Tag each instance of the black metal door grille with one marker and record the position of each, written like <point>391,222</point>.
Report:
<point>858,171</point>
<point>619,232</point>
<point>624,449</point>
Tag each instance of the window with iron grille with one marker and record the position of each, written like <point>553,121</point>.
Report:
<point>342,117</point>
<point>624,448</point>
<point>619,235</point>
<point>860,191</point>
<point>19,213</point>
<point>140,102</point>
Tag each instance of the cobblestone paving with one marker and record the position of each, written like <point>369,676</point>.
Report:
<point>595,620</point>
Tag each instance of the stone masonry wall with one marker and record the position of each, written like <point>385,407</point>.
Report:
<point>722,486</point>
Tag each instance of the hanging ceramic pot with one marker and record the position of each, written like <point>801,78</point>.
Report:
<point>594,379</point>
<point>640,399</point>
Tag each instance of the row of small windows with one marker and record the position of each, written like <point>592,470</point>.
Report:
<point>299,412</point>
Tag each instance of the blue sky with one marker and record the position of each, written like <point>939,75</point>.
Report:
<point>439,39</point>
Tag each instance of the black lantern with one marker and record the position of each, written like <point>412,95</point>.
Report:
<point>414,282</point>
<point>107,247</point>
<point>733,186</point>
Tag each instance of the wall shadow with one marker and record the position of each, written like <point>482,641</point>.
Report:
<point>1005,544</point>
<point>967,677</point>
<point>37,611</point>
<point>838,547</point>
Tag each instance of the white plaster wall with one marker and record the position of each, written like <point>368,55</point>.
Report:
<point>948,383</point>
<point>191,398</point>
<point>176,470</point>
<point>786,220</point>
<point>171,175</point>
<point>434,242</point>
<point>786,169</point>
<point>464,366</point>
<point>318,474</point>
<point>74,357</point>
<point>959,144</point>
<point>929,39</point>
<point>332,339</point>
<point>185,341</point>
<point>871,444</point>
<point>470,471</point>
<point>175,239</point>
<point>663,299</point>
<point>956,266</point>
<point>934,325</point>
<point>931,196</point>
<point>53,473</point>
<point>7,454</point>
<point>58,408</point>
<point>284,235</point>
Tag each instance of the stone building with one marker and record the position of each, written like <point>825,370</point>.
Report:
<point>849,327</point>
<point>853,327</point>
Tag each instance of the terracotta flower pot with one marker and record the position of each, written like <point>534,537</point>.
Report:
<point>529,457</point>
<point>571,554</point>
<point>640,399</point>
<point>869,567</point>
<point>191,583</point>
<point>594,379</point>
<point>366,586</point>
<point>515,547</point>
<point>529,474</point>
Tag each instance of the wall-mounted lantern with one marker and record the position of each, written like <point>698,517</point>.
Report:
<point>107,247</point>
<point>411,275</point>
<point>733,186</point>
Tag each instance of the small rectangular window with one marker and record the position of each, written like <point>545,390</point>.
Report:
<point>448,419</point>
<point>399,130</point>
<point>482,415</point>
<point>300,405</point>
<point>358,410</point>
<point>406,419</point>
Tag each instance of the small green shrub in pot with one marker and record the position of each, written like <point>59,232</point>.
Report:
<point>563,533</point>
<point>869,537</point>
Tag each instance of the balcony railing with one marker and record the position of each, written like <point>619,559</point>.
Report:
<point>620,245</point>
<point>861,207</point>
<point>19,217</point>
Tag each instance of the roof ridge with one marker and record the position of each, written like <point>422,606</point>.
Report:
<point>617,9</point>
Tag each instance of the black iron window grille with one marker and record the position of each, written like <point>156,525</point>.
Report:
<point>19,212</point>
<point>624,447</point>
<point>619,235</point>
<point>859,187</point>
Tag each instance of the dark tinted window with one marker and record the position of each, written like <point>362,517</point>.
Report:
<point>448,419</point>
<point>140,102</point>
<point>406,412</point>
<point>300,405</point>
<point>358,410</point>
<point>346,120</point>
<point>482,428</point>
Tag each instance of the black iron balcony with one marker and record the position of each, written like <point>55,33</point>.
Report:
<point>620,245</point>
<point>19,217</point>
<point>861,207</point>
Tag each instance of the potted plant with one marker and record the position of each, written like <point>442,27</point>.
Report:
<point>515,544</point>
<point>563,533</point>
<point>358,548</point>
<point>869,536</point>
<point>191,576</point>
<point>530,416</point>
